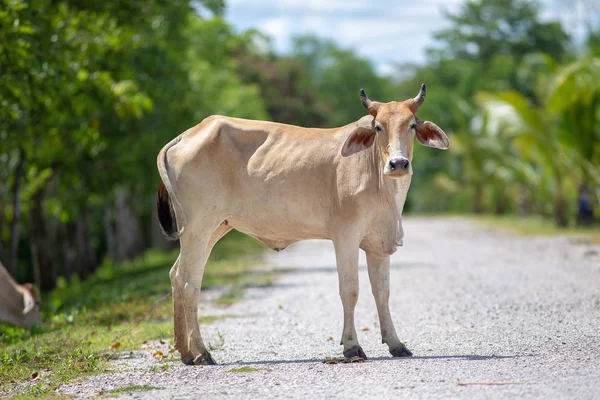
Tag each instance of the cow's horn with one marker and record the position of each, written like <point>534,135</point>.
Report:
<point>366,102</point>
<point>421,96</point>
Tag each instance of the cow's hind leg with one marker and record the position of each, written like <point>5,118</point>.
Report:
<point>379,275</point>
<point>186,278</point>
<point>179,324</point>
<point>346,254</point>
<point>179,276</point>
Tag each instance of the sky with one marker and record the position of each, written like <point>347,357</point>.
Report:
<point>385,31</point>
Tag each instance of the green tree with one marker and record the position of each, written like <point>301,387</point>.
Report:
<point>493,46</point>
<point>482,30</point>
<point>53,84</point>
<point>89,93</point>
<point>575,98</point>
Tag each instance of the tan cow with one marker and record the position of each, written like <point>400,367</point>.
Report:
<point>281,184</point>
<point>19,304</point>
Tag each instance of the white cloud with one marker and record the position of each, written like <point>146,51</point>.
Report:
<point>385,31</point>
<point>278,29</point>
<point>301,5</point>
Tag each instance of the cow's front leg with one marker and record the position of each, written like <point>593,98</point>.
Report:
<point>379,275</point>
<point>346,254</point>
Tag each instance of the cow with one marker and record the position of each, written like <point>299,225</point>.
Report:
<point>19,304</point>
<point>281,184</point>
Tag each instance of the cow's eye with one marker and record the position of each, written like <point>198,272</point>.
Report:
<point>377,128</point>
<point>413,126</point>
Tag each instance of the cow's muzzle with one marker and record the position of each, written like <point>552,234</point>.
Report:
<point>397,166</point>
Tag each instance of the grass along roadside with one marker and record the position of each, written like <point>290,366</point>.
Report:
<point>535,226</point>
<point>119,308</point>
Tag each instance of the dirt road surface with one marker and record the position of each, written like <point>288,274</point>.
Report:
<point>486,314</point>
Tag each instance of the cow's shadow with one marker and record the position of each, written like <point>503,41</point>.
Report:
<point>466,357</point>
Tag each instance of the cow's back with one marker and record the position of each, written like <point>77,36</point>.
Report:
<point>273,181</point>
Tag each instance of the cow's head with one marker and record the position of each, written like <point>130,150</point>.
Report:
<point>395,125</point>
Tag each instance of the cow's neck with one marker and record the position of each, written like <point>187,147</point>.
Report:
<point>393,188</point>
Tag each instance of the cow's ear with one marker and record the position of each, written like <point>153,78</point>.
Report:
<point>360,139</point>
<point>429,134</point>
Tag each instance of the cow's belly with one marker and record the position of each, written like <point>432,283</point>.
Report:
<point>278,231</point>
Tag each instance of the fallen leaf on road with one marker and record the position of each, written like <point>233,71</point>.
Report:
<point>157,353</point>
<point>330,339</point>
<point>35,375</point>
<point>365,329</point>
<point>115,345</point>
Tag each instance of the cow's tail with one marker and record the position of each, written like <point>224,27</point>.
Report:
<point>168,210</point>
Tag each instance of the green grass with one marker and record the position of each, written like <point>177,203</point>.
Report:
<point>86,323</point>
<point>243,369</point>
<point>535,226</point>
<point>129,389</point>
<point>231,296</point>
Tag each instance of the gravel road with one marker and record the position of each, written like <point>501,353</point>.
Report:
<point>486,314</point>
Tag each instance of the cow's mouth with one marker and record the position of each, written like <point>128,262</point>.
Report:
<point>396,173</point>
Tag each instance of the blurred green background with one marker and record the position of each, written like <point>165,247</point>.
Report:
<point>91,90</point>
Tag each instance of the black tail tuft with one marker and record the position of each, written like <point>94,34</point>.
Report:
<point>165,214</point>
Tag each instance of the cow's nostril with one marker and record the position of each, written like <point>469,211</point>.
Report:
<point>399,163</point>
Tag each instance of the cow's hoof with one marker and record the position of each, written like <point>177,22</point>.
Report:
<point>188,359</point>
<point>355,351</point>
<point>401,351</point>
<point>204,359</point>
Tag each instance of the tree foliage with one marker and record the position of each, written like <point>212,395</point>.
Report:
<point>89,92</point>
<point>523,112</point>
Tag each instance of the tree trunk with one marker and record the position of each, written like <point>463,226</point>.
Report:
<point>560,202</point>
<point>2,197</point>
<point>501,202</point>
<point>3,200</point>
<point>477,206</point>
<point>560,211</point>
<point>87,260</point>
<point>90,255</point>
<point>15,225</point>
<point>109,231</point>
<point>83,269</point>
<point>523,201</point>
<point>40,245</point>
<point>128,236</point>
<point>69,251</point>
